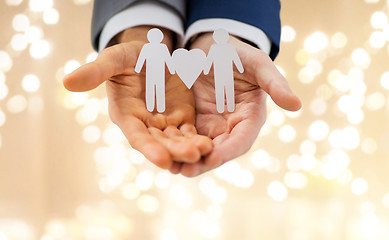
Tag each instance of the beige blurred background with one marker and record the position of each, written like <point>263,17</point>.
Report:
<point>66,171</point>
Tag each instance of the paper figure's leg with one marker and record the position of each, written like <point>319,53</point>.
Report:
<point>160,91</point>
<point>150,96</point>
<point>219,94</point>
<point>230,98</point>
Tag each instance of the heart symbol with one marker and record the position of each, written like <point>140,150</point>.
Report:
<point>188,64</point>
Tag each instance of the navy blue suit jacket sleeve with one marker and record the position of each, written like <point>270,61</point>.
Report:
<point>263,14</point>
<point>103,10</point>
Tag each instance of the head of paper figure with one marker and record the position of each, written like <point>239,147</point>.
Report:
<point>155,35</point>
<point>220,36</point>
<point>188,65</point>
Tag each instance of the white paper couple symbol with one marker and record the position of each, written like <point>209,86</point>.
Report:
<point>188,65</point>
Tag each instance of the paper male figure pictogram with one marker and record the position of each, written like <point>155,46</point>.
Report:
<point>222,55</point>
<point>156,55</point>
<point>188,65</point>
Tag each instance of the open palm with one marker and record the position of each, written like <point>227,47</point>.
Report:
<point>233,133</point>
<point>166,139</point>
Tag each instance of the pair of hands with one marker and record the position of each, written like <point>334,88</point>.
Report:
<point>190,137</point>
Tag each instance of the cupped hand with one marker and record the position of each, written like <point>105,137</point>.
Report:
<point>233,133</point>
<point>166,139</point>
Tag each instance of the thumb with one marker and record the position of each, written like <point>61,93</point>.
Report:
<point>266,75</point>
<point>112,61</point>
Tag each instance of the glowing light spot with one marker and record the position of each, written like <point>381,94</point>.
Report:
<point>292,163</point>
<point>40,5</point>
<point>369,146</point>
<point>17,104</point>
<point>260,159</point>
<point>303,57</point>
<point>277,191</point>
<point>276,118</point>
<point>2,118</point>
<point>3,91</point>
<point>33,34</point>
<point>181,196</point>
<point>371,1</point>
<point>316,42</point>
<point>2,78</point>
<point>306,75</point>
<point>345,177</point>
<point>209,229</point>
<point>218,195</point>
<point>112,135</point>
<point>131,191</point>
<point>377,39</point>
<point>339,40</point>
<point>13,3</point>
<point>336,162</point>
<point>136,157</point>
<point>91,57</point>
<point>385,80</point>
<point>91,134</point>
<point>144,180</point>
<point>288,34</point>
<point>307,162</point>
<point>375,101</point>
<point>19,42</point>
<point>385,200</point>
<point>30,83</point>
<point>308,148</point>
<point>318,106</point>
<point>287,133</point>
<point>318,130</point>
<point>360,58</point>
<point>148,204</point>
<point>5,62</point>
<point>39,49</point>
<point>162,180</point>
<point>295,180</point>
<point>379,20</point>
<point>20,23</point>
<point>359,186</point>
<point>355,116</point>
<point>351,138</point>
<point>71,65</point>
<point>51,16</point>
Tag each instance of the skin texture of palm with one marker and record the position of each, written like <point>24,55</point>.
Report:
<point>166,139</point>
<point>233,133</point>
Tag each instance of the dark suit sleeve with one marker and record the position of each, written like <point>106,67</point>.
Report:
<point>263,14</point>
<point>103,10</point>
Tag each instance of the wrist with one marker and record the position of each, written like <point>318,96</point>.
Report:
<point>139,34</point>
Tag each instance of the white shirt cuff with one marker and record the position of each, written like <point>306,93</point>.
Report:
<point>234,27</point>
<point>142,13</point>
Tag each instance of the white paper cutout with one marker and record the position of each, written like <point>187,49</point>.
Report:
<point>222,55</point>
<point>188,65</point>
<point>156,55</point>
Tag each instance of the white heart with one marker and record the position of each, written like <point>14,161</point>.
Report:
<point>188,64</point>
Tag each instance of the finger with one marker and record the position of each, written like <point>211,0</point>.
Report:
<point>262,70</point>
<point>112,61</point>
<point>176,168</point>
<point>227,146</point>
<point>203,143</point>
<point>181,151</point>
<point>141,140</point>
<point>172,132</point>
